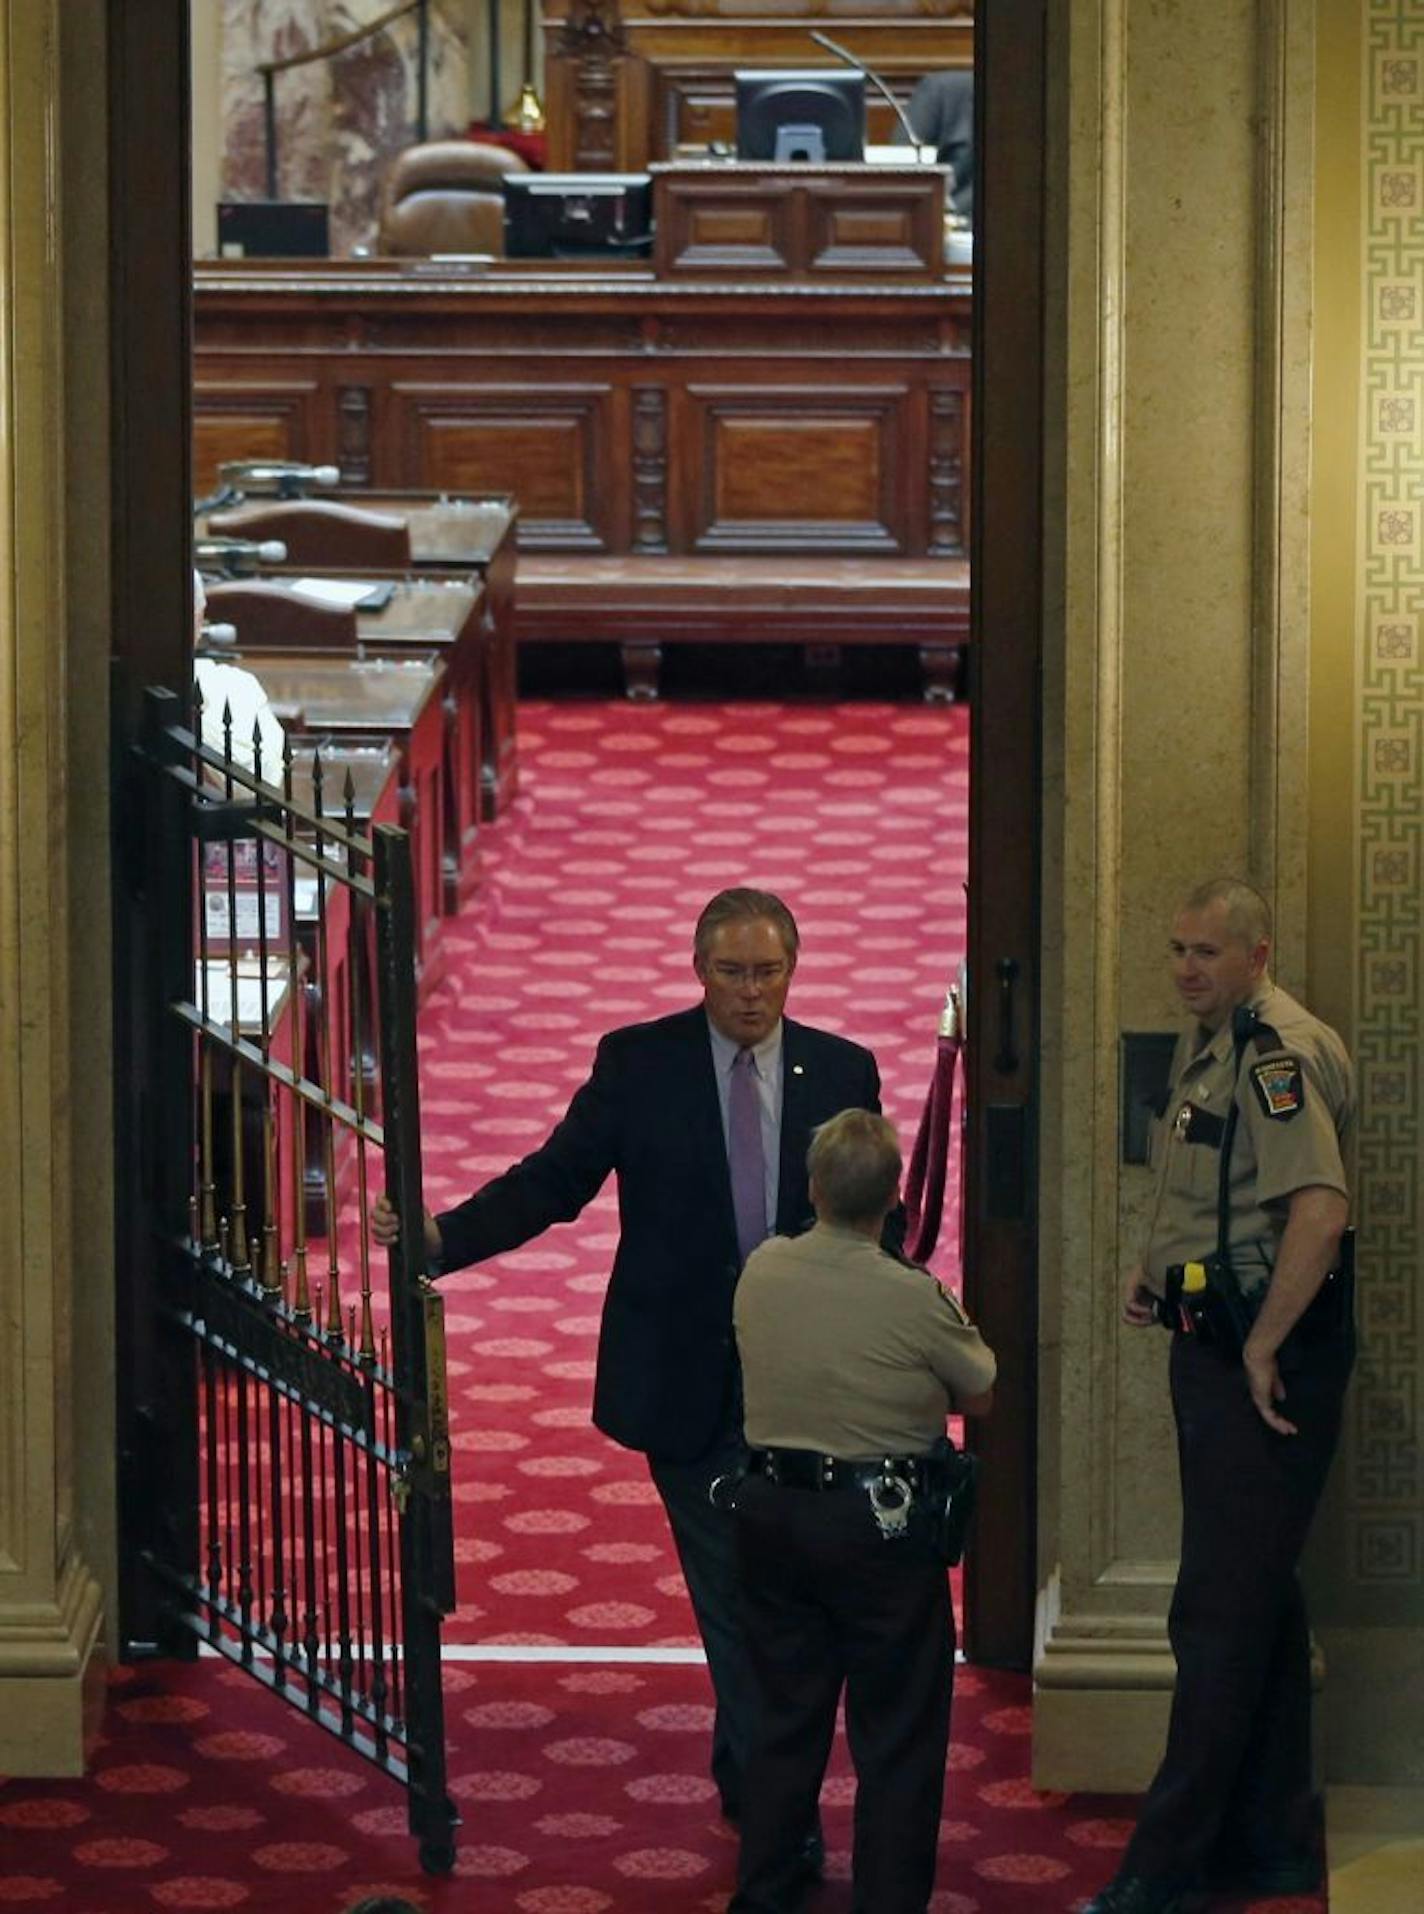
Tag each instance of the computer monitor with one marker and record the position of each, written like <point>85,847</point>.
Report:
<point>272,229</point>
<point>817,114</point>
<point>577,215</point>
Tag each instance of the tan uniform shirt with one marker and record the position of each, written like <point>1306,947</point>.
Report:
<point>1297,1107</point>
<point>847,1352</point>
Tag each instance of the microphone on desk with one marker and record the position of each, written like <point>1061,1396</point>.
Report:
<point>219,638</point>
<point>834,46</point>
<point>238,557</point>
<point>276,478</point>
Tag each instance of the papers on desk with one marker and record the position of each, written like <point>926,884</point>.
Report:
<point>905,155</point>
<point>218,1002</point>
<point>346,594</point>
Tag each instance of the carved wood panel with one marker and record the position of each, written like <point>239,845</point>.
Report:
<point>876,226</point>
<point>238,420</point>
<point>650,462</point>
<point>552,446</point>
<point>800,469</point>
<point>840,223</point>
<point>948,463</point>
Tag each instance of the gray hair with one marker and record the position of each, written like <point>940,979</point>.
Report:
<point>742,905</point>
<point>854,1161</point>
<point>1248,915</point>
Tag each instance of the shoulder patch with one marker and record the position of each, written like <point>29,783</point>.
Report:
<point>1279,1083</point>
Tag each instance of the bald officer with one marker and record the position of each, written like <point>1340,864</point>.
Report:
<point>851,1361</point>
<point>1261,1082</point>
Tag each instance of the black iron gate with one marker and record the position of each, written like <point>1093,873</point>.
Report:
<point>288,1456</point>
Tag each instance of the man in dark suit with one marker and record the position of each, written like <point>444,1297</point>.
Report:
<point>941,110</point>
<point>705,1116</point>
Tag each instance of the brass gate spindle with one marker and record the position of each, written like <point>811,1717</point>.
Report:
<point>277,1615</point>
<point>225,1417</point>
<point>207,1194</point>
<point>375,1568</point>
<point>391,1521</point>
<point>356,950</point>
<point>311,1640</point>
<point>323,964</point>
<point>238,1382</point>
<point>340,1517</point>
<point>358,1547</point>
<point>301,1294</point>
<point>267,1270</point>
<point>209,1360</point>
<point>323,1489</point>
<point>237,1208</point>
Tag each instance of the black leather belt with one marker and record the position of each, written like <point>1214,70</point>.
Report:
<point>809,1469</point>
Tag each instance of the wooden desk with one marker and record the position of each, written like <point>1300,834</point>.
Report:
<point>473,535</point>
<point>631,416</point>
<point>422,615</point>
<point>717,218</point>
<point>398,698</point>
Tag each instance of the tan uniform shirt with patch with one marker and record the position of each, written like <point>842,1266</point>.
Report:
<point>848,1352</point>
<point>1297,1109</point>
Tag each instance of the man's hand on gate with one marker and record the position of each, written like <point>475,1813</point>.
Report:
<point>1136,1300</point>
<point>385,1228</point>
<point>1263,1378</point>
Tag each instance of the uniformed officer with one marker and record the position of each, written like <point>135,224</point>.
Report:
<point>851,1361</point>
<point>1250,1153</point>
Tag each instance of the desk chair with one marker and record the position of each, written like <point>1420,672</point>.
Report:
<point>447,196</point>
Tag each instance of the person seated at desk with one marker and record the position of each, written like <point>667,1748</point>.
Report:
<point>234,702</point>
<point>941,110</point>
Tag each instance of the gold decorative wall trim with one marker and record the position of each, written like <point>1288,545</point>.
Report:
<point>1384,1485</point>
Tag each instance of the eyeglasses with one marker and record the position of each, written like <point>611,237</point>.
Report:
<point>762,975</point>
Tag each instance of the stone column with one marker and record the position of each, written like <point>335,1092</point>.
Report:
<point>1175,731</point>
<point>50,1607</point>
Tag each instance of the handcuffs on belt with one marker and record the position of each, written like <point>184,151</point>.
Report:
<point>890,1499</point>
<point>890,1494</point>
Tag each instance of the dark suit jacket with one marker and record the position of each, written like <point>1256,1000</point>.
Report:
<point>649,1111</point>
<point>941,110</point>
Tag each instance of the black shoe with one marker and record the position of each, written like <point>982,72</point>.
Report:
<point>811,1861</point>
<point>1289,1874</point>
<point>1136,1894</point>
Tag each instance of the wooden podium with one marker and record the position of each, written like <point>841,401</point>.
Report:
<point>718,219</point>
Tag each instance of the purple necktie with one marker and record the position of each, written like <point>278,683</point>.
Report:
<point>744,1154</point>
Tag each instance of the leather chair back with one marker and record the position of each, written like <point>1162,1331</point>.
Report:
<point>322,533</point>
<point>447,196</point>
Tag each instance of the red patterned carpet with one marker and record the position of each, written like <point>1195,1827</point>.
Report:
<point>583,1782</point>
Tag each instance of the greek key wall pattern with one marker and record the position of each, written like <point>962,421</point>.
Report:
<point>1386,1496</point>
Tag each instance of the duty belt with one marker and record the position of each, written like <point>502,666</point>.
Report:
<point>809,1469</point>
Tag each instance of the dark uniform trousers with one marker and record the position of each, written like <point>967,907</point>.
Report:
<point>1234,1787</point>
<point>826,1602</point>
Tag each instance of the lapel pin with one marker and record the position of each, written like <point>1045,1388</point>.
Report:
<point>797,1071</point>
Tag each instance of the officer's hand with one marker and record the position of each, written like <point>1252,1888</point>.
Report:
<point>1263,1378</point>
<point>1136,1300</point>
